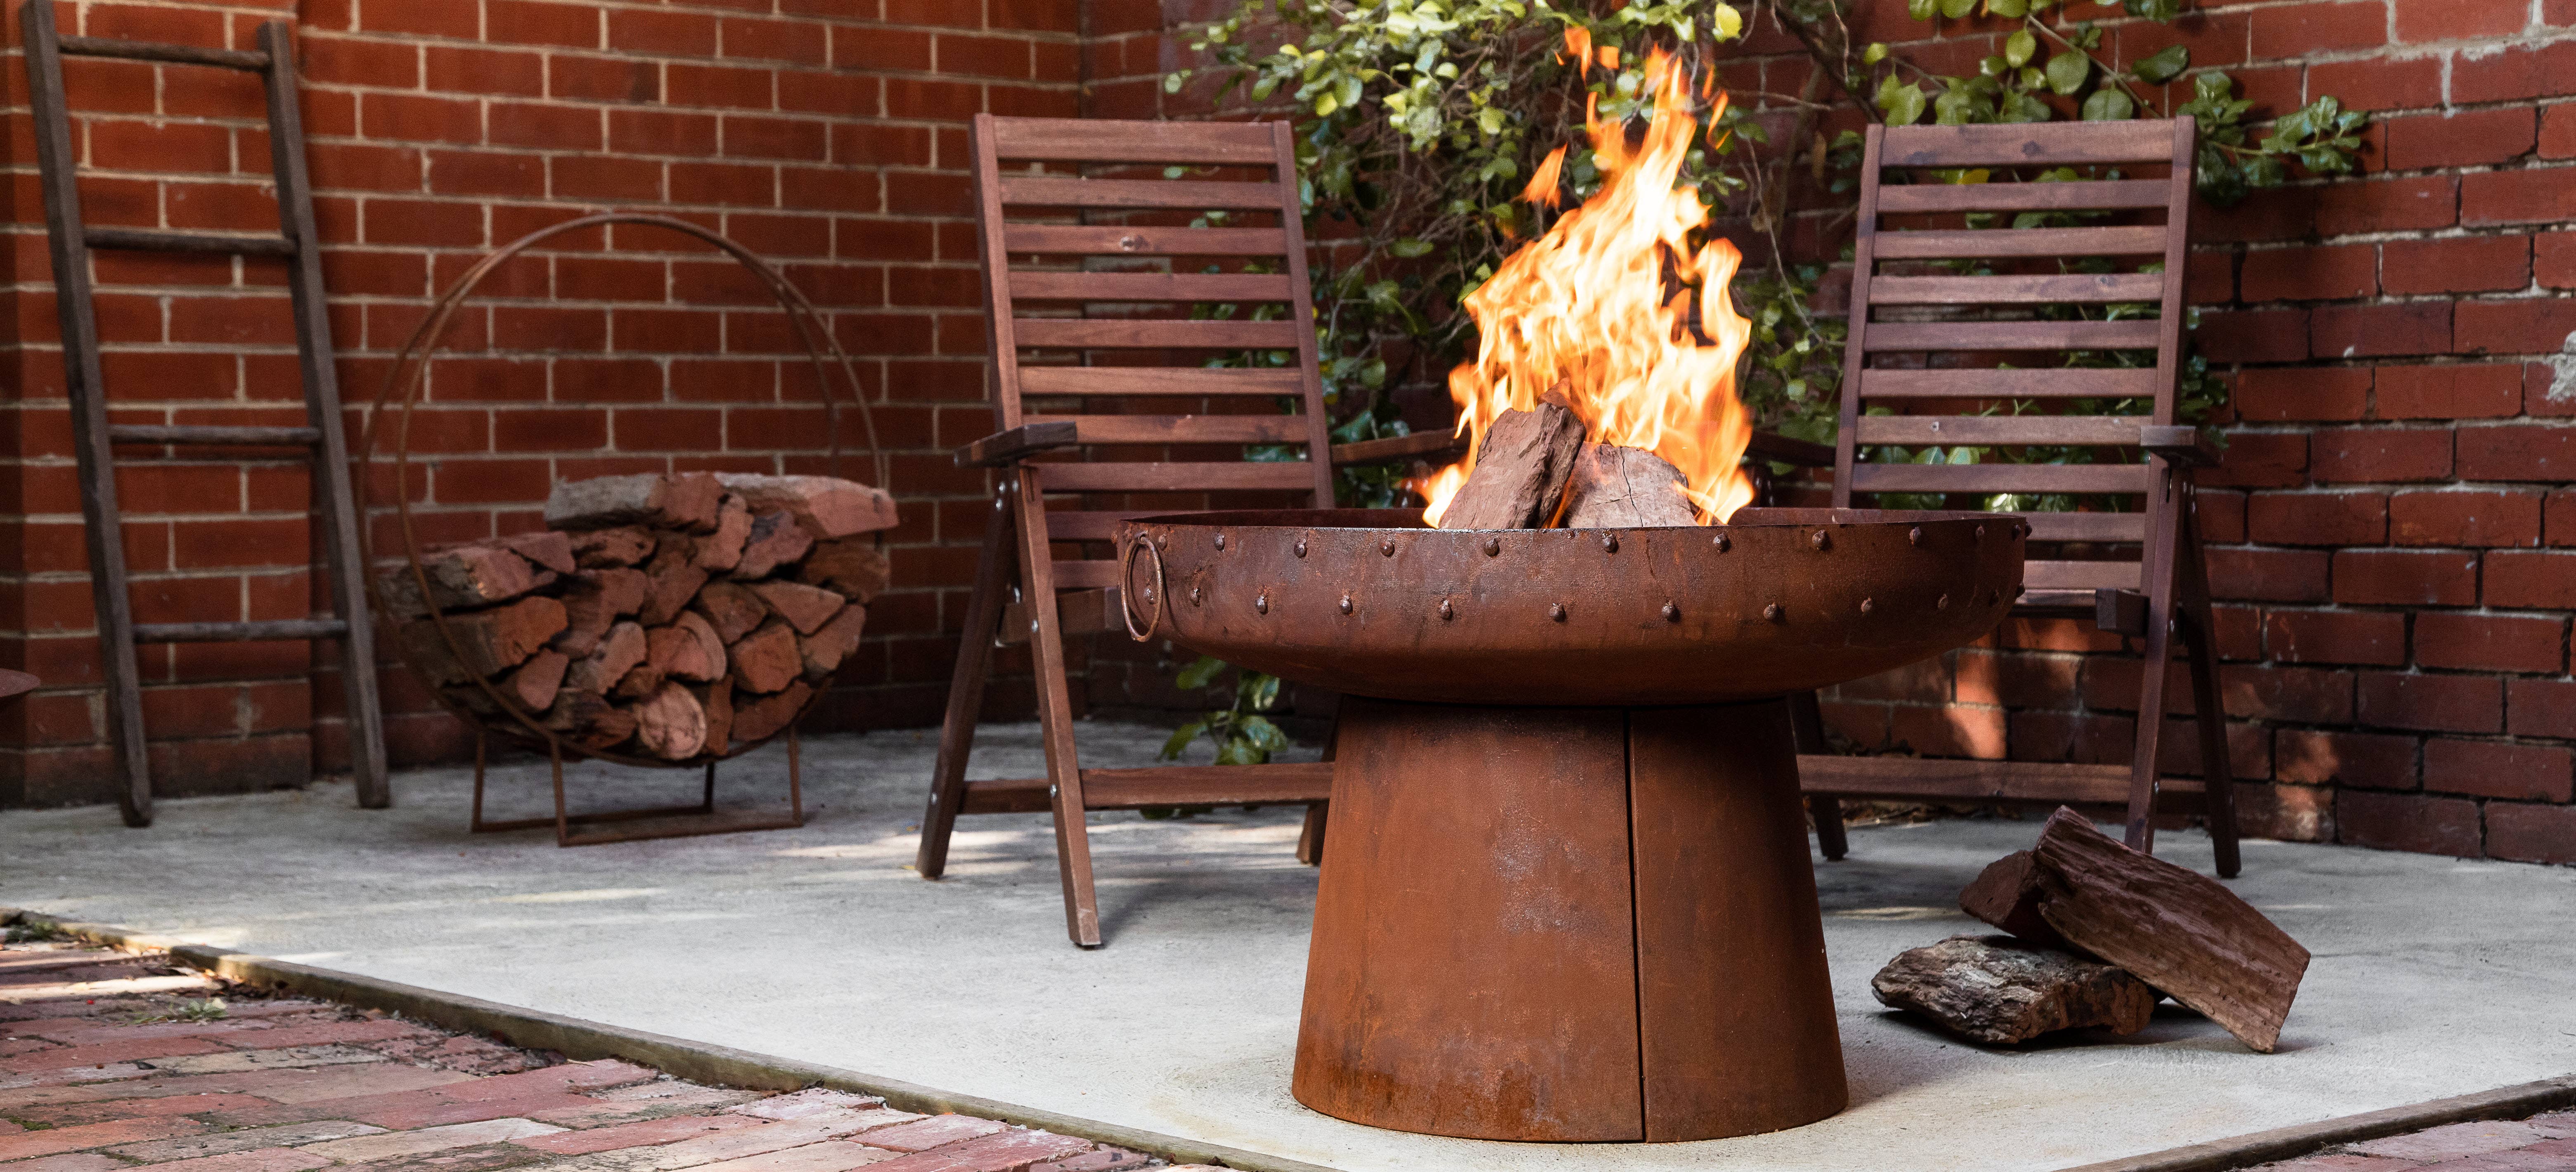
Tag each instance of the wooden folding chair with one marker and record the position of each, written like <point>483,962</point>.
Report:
<point>1927,337</point>
<point>1124,239</point>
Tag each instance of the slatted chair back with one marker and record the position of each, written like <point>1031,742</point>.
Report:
<point>1927,338</point>
<point>1098,293</point>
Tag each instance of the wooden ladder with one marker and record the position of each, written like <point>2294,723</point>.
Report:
<point>95,438</point>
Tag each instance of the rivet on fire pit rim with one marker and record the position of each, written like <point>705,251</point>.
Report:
<point>1672,613</point>
<point>1220,541</point>
<point>1447,612</point>
<point>1913,535</point>
<point>1941,603</point>
<point>1867,605</point>
<point>1493,547</point>
<point>1819,540</point>
<point>1386,546</point>
<point>1556,610</point>
<point>1261,603</point>
<point>1981,533</point>
<point>1301,547</point>
<point>1346,604</point>
<point>1609,543</point>
<point>1771,612</point>
<point>1163,541</point>
<point>1721,543</point>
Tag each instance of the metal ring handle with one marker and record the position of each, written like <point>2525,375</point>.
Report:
<point>1126,574</point>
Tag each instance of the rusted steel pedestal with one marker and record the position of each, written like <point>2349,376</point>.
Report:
<point>1568,924</point>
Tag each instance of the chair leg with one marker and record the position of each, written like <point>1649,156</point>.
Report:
<point>1055,717</point>
<point>1807,731</point>
<point>2141,829</point>
<point>2209,707</point>
<point>966,693</point>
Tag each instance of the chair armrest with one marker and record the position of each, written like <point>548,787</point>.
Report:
<point>1771,445</point>
<point>1008,447</point>
<point>1401,447</point>
<point>2182,447</point>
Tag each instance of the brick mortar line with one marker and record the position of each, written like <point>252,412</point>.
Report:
<point>581,1040</point>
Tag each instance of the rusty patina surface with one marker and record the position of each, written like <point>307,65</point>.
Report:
<point>1370,603</point>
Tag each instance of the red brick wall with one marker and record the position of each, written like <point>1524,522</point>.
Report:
<point>828,135</point>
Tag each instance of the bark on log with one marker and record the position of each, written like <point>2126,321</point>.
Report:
<point>855,568</point>
<point>670,724</point>
<point>693,652</point>
<point>722,550</point>
<point>826,507</point>
<point>588,719</point>
<point>716,699</point>
<point>625,545</point>
<point>533,685</point>
<point>776,540</point>
<point>732,608</point>
<point>639,681</point>
<point>687,501</point>
<point>675,580</point>
<point>767,659</point>
<point>2002,991</point>
<point>1519,478</point>
<point>461,577</point>
<point>593,602</point>
<point>825,649</point>
<point>805,608</point>
<point>617,654</point>
<point>490,641</point>
<point>762,718</point>
<point>2176,929</point>
<point>2006,895</point>
<point>1625,488</point>
<point>546,548</point>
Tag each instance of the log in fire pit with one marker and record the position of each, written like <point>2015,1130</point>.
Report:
<point>1566,892</point>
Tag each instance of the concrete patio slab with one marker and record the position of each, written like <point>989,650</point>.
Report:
<point>2432,978</point>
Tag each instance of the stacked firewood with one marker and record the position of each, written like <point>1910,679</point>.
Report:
<point>1536,469</point>
<point>663,616</point>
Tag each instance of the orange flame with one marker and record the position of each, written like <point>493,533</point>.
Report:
<point>1603,302</point>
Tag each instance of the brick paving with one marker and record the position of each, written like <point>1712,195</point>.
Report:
<point>112,1061</point>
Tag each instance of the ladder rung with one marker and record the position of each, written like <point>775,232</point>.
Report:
<point>264,437</point>
<point>239,632</point>
<point>187,242</point>
<point>156,51</point>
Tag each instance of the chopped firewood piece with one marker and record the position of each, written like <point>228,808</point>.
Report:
<point>825,506</point>
<point>1521,467</point>
<point>804,607</point>
<point>617,654</point>
<point>675,580</point>
<point>2002,991</point>
<point>687,501</point>
<point>824,650</point>
<point>2174,928</point>
<point>545,547</point>
<point>594,600</point>
<point>692,653</point>
<point>722,550</point>
<point>716,698</point>
<point>489,641</point>
<point>670,724</point>
<point>856,568</point>
<point>428,656</point>
<point>766,659</point>
<point>762,718</point>
<point>588,719</point>
<point>1625,488</point>
<point>625,545</point>
<point>472,698</point>
<point>533,686</point>
<point>732,608</point>
<point>776,540</point>
<point>462,577</point>
<point>2006,894</point>
<point>639,681</point>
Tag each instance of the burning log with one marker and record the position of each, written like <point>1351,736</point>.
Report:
<point>2002,991</point>
<point>1625,488</point>
<point>2176,929</point>
<point>1521,469</point>
<point>678,616</point>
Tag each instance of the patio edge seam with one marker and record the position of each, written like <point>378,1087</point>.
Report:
<point>582,1040</point>
<point>2285,1143</point>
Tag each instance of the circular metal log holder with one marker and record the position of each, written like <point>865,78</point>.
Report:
<point>402,389</point>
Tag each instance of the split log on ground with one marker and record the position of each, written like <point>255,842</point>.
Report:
<point>722,550</point>
<point>532,687</point>
<point>732,608</point>
<point>675,580</point>
<point>827,507</point>
<point>1520,473</point>
<point>2176,929</point>
<point>805,608</point>
<point>693,652</point>
<point>462,577</point>
<point>618,653</point>
<point>670,724</point>
<point>625,545</point>
<point>767,660</point>
<point>687,501</point>
<point>824,650</point>
<point>762,718</point>
<point>545,547</point>
<point>1625,488</point>
<point>716,699</point>
<point>2006,894</point>
<point>2002,991</point>
<point>593,602</point>
<point>855,568</point>
<point>588,719</point>
<point>488,642</point>
<point>776,539</point>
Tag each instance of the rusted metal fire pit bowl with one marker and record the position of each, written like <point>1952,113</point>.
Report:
<point>1566,892</point>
